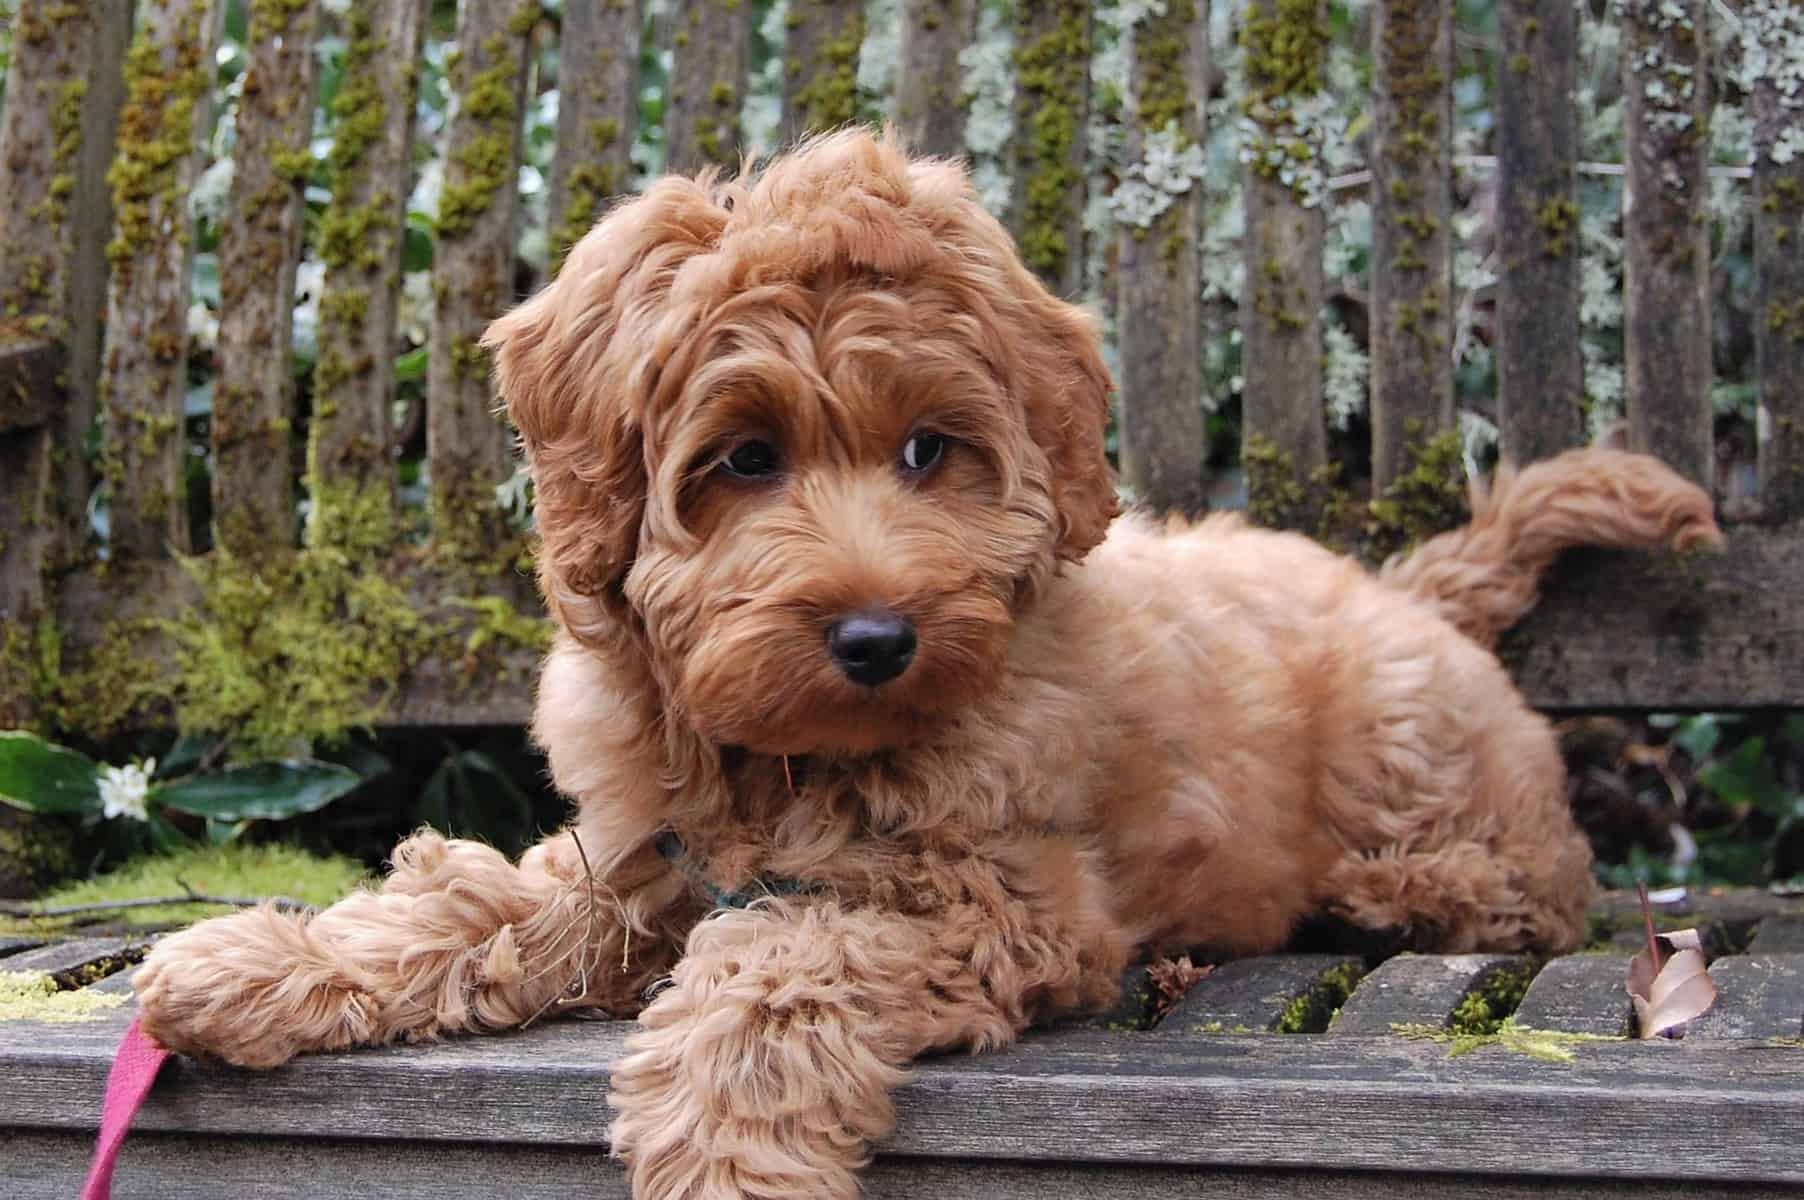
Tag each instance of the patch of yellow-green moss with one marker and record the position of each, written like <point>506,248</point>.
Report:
<point>273,18</point>
<point>164,88</point>
<point>1286,52</point>
<point>1548,1045</point>
<point>499,622</point>
<point>35,849</point>
<point>1311,1012</point>
<point>282,653</point>
<point>106,687</point>
<point>34,996</point>
<point>1052,62</point>
<point>481,161</point>
<point>470,535</point>
<point>600,173</point>
<point>1427,497</point>
<point>1482,1011</point>
<point>236,870</point>
<point>1557,219</point>
<point>825,84</point>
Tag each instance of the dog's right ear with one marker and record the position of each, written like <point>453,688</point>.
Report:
<point>575,365</point>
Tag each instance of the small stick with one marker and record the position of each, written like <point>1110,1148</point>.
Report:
<point>1647,919</point>
<point>283,903</point>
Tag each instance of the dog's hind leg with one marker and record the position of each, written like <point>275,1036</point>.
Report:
<point>457,939</point>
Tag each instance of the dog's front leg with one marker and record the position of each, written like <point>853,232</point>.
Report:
<point>457,939</point>
<point>763,1069</point>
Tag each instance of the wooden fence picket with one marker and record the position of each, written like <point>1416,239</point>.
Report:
<point>259,252</point>
<point>1778,112</point>
<point>1412,231</point>
<point>710,57</point>
<point>468,447</point>
<point>1666,232</point>
<point>597,116</point>
<point>930,80</point>
<point>1284,441</point>
<point>1159,314</point>
<point>820,65</point>
<point>1048,150</point>
<point>1540,364</point>
<point>350,470</point>
<point>169,80</point>
<point>56,135</point>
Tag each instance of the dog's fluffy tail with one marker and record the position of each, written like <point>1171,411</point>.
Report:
<point>1486,575</point>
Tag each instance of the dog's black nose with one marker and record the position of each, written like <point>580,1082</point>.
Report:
<point>871,647</point>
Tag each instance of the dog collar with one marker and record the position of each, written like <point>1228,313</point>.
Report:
<point>671,847</point>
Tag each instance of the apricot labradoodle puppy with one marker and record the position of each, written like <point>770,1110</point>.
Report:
<point>884,735</point>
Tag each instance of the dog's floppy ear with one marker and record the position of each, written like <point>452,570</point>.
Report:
<point>1067,415</point>
<point>1052,348</point>
<point>575,365</point>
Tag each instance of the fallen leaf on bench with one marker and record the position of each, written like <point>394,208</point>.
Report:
<point>1669,982</point>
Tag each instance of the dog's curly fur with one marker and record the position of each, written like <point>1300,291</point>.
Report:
<point>1114,737</point>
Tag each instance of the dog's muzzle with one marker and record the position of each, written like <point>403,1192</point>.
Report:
<point>872,647</point>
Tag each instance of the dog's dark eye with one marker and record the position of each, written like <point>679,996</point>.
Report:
<point>751,460</point>
<point>923,450</point>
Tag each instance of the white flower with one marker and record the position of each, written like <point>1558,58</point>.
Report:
<point>123,790</point>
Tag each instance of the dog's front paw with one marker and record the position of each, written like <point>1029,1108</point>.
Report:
<point>254,989</point>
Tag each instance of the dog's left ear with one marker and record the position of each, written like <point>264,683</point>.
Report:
<point>1067,416</point>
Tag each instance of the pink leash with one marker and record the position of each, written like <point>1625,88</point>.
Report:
<point>135,1068</point>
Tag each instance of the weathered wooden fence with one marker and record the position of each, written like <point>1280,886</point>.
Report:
<point>102,141</point>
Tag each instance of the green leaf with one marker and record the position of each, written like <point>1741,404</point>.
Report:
<point>411,367</point>
<point>43,777</point>
<point>270,791</point>
<point>1745,779</point>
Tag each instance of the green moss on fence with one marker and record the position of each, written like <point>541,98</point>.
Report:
<point>156,135</point>
<point>481,163</point>
<point>828,94</point>
<point>1427,497</point>
<point>1051,72</point>
<point>596,176</point>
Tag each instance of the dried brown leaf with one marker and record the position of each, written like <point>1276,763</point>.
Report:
<point>1669,982</point>
<point>1682,991</point>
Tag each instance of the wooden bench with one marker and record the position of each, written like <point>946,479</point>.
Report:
<point>1375,1100</point>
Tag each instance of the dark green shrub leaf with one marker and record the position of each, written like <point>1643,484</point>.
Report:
<point>41,776</point>
<point>270,791</point>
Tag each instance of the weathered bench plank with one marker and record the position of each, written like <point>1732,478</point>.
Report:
<point>1349,1103</point>
<point>1419,989</point>
<point>1586,993</point>
<point>203,1168</point>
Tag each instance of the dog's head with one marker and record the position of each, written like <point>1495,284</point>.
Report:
<point>818,435</point>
